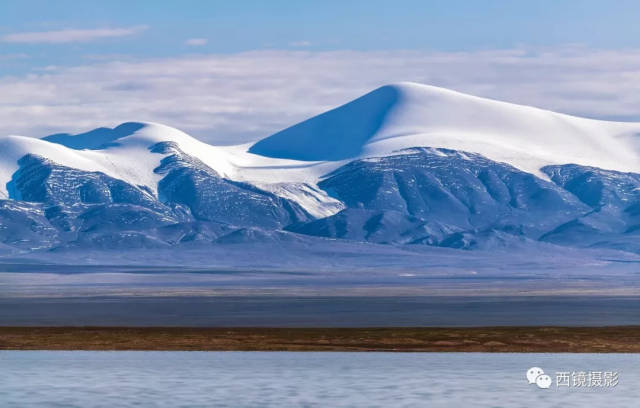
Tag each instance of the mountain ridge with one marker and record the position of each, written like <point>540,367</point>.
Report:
<point>406,164</point>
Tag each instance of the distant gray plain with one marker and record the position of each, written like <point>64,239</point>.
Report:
<point>67,295</point>
<point>316,311</point>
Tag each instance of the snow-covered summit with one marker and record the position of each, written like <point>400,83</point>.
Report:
<point>122,152</point>
<point>408,114</point>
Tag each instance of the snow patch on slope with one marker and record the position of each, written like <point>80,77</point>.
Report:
<point>314,200</point>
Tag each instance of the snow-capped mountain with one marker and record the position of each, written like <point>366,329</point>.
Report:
<point>404,164</point>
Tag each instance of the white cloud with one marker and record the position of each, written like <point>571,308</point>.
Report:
<point>241,97</point>
<point>195,42</point>
<point>300,44</point>
<point>10,57</point>
<point>70,35</point>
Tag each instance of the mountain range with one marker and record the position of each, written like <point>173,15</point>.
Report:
<point>404,165</point>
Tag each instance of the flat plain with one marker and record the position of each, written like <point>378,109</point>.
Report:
<point>477,339</point>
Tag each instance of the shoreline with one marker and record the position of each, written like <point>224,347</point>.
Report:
<point>523,339</point>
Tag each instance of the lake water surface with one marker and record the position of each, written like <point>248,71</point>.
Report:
<point>279,379</point>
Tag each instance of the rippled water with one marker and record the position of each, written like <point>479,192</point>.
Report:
<point>259,379</point>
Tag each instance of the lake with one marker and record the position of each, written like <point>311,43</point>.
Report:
<point>265,379</point>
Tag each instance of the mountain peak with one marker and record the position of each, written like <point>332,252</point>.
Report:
<point>337,134</point>
<point>408,114</point>
<point>343,132</point>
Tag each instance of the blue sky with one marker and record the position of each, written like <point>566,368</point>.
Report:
<point>234,26</point>
<point>518,47</point>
